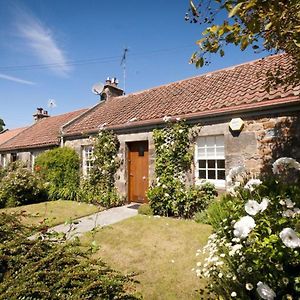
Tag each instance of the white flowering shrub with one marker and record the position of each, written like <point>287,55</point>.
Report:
<point>254,252</point>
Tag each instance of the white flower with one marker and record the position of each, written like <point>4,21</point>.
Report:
<point>282,202</point>
<point>289,238</point>
<point>235,249</point>
<point>249,286</point>
<point>264,291</point>
<point>243,227</point>
<point>288,213</point>
<point>264,204</point>
<point>285,163</point>
<point>220,275</point>
<point>252,184</point>
<point>234,173</point>
<point>252,207</point>
<point>233,294</point>
<point>167,119</point>
<point>285,280</point>
<point>289,203</point>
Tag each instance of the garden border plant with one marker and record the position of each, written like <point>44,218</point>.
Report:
<point>19,186</point>
<point>170,195</point>
<point>254,250</point>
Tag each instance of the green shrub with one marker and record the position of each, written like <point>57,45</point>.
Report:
<point>92,193</point>
<point>59,168</point>
<point>254,249</point>
<point>41,269</point>
<point>20,187</point>
<point>201,217</point>
<point>175,199</point>
<point>145,209</point>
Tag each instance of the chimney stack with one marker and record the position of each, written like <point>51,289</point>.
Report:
<point>40,114</point>
<point>111,89</point>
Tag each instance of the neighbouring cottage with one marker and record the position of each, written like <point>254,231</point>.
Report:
<point>240,122</point>
<point>6,135</point>
<point>28,142</point>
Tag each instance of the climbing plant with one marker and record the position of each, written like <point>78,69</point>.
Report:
<point>99,186</point>
<point>169,195</point>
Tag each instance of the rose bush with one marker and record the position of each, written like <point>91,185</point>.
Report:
<point>254,250</point>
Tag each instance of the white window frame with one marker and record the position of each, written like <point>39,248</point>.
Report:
<point>4,160</point>
<point>87,159</point>
<point>33,156</point>
<point>209,152</point>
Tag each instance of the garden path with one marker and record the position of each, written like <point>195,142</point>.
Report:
<point>100,219</point>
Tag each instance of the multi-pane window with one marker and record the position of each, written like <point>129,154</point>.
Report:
<point>88,161</point>
<point>210,159</point>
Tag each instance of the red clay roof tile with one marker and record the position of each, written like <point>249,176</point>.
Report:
<point>10,133</point>
<point>43,133</point>
<point>224,90</point>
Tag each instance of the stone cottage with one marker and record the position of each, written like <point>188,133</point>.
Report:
<point>241,124</point>
<point>6,135</point>
<point>28,142</point>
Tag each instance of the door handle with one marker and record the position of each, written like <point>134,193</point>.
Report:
<point>144,177</point>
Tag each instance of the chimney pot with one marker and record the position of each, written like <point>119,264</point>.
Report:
<point>40,114</point>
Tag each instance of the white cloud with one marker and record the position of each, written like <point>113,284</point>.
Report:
<point>41,41</point>
<point>15,79</point>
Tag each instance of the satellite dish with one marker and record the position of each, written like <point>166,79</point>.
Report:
<point>98,88</point>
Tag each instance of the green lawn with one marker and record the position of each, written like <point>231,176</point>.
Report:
<point>52,212</point>
<point>160,250</point>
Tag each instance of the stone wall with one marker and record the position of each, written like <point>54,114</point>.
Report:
<point>122,174</point>
<point>257,146</point>
<point>276,137</point>
<point>260,143</point>
<point>25,156</point>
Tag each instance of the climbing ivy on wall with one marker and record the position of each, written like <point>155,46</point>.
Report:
<point>99,187</point>
<point>172,148</point>
<point>169,195</point>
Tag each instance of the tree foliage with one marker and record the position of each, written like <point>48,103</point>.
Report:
<point>45,269</point>
<point>2,124</point>
<point>272,25</point>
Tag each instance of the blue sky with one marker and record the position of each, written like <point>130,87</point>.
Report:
<point>58,49</point>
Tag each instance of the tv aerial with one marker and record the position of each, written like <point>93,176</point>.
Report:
<point>97,88</point>
<point>51,103</point>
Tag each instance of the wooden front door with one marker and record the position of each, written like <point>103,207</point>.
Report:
<point>138,168</point>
